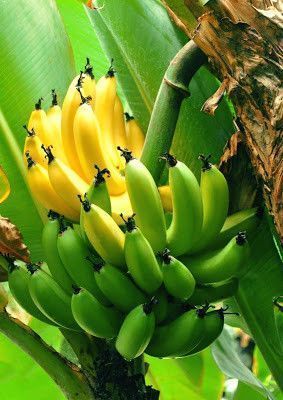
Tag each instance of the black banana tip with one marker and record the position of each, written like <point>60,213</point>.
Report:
<point>127,154</point>
<point>52,215</point>
<point>128,117</point>
<point>76,289</point>
<point>206,165</point>
<point>170,159</point>
<point>37,105</point>
<point>99,178</point>
<point>32,268</point>
<point>130,222</point>
<point>48,153</point>
<point>165,256</point>
<point>148,307</point>
<point>85,202</point>
<point>241,238</point>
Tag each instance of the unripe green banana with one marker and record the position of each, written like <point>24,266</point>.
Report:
<point>214,292</point>
<point>212,326</point>
<point>49,244</point>
<point>160,309</point>
<point>51,299</point>
<point>93,317</point>
<point>219,265</point>
<point>104,234</point>
<point>74,254</point>
<point>19,278</point>
<point>117,287</point>
<point>175,308</point>
<point>178,337</point>
<point>140,259</point>
<point>145,201</point>
<point>186,224</point>
<point>245,220</point>
<point>215,200</point>
<point>136,331</point>
<point>178,280</point>
<point>97,194</point>
<point>3,299</point>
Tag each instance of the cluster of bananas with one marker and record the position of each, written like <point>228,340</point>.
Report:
<point>136,274</point>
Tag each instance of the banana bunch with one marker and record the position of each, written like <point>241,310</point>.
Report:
<point>125,260</point>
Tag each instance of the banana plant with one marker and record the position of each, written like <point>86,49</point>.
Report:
<point>177,90</point>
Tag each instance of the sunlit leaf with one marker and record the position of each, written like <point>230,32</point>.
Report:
<point>11,241</point>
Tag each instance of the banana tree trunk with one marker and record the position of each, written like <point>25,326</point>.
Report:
<point>242,41</point>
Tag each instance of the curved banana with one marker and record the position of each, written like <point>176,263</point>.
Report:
<point>49,245</point>
<point>178,280</point>
<point>187,331</point>
<point>70,105</point>
<point>38,122</point>
<point>213,324</point>
<point>245,220</point>
<point>214,292</point>
<point>51,299</point>
<point>93,317</point>
<point>54,116</point>
<point>104,234</point>
<point>135,136</point>
<point>106,89</point>
<point>140,259</point>
<point>90,148</point>
<point>215,199</point>
<point>19,286</point>
<point>119,124</point>
<point>136,331</point>
<point>118,287</point>
<point>66,183</point>
<point>89,84</point>
<point>43,192</point>
<point>33,147</point>
<point>219,265</point>
<point>166,198</point>
<point>145,200</point>
<point>186,224</point>
<point>74,254</point>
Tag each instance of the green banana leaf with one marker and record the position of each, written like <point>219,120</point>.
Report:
<point>142,39</point>
<point>35,57</point>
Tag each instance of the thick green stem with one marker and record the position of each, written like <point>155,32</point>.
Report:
<point>272,355</point>
<point>173,90</point>
<point>67,376</point>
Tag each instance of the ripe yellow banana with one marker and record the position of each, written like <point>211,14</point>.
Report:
<point>119,124</point>
<point>44,193</point>
<point>135,136</point>
<point>89,84</point>
<point>54,116</point>
<point>166,198</point>
<point>66,183</point>
<point>121,204</point>
<point>90,148</point>
<point>39,122</point>
<point>106,89</point>
<point>33,147</point>
<point>70,105</point>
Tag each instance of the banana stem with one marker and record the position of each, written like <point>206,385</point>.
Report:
<point>68,377</point>
<point>173,90</point>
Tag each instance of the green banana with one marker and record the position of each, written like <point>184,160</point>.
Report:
<point>19,286</point>
<point>160,309</point>
<point>186,224</point>
<point>220,265</point>
<point>136,331</point>
<point>93,317</point>
<point>74,254</point>
<point>49,244</point>
<point>212,327</point>
<point>140,258</point>
<point>51,299</point>
<point>245,220</point>
<point>178,337</point>
<point>214,292</point>
<point>178,280</point>
<point>145,201</point>
<point>117,287</point>
<point>215,200</point>
<point>97,194</point>
<point>103,233</point>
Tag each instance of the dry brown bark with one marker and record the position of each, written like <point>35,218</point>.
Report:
<point>243,41</point>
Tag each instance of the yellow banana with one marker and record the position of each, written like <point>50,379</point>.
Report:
<point>44,193</point>
<point>90,148</point>
<point>135,136</point>
<point>166,198</point>
<point>119,127</point>
<point>39,122</point>
<point>89,84</point>
<point>66,183</point>
<point>121,204</point>
<point>70,105</point>
<point>106,89</point>
<point>33,147</point>
<point>54,116</point>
